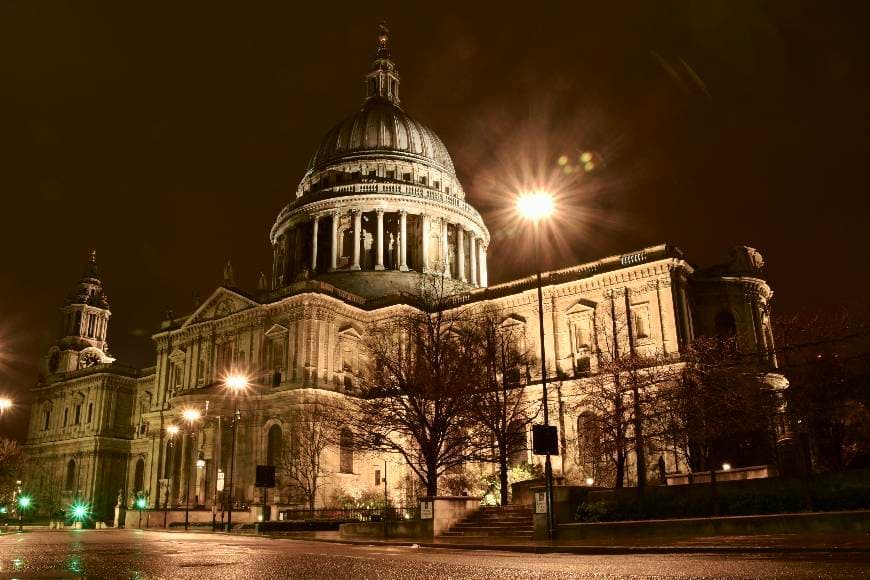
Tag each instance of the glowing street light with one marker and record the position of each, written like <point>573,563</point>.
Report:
<point>172,430</point>
<point>5,403</point>
<point>237,383</point>
<point>537,206</point>
<point>79,511</point>
<point>191,416</point>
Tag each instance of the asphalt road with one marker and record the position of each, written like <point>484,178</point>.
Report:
<point>138,554</point>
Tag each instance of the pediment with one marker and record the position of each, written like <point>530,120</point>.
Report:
<point>350,332</point>
<point>177,355</point>
<point>513,320</point>
<point>222,303</point>
<point>582,307</point>
<point>276,330</point>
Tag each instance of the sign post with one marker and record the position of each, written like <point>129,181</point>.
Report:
<point>265,479</point>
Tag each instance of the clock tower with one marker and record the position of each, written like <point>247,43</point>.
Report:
<point>85,325</point>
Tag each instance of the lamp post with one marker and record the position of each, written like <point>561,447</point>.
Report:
<point>236,383</point>
<point>191,417</point>
<point>171,430</point>
<point>535,207</point>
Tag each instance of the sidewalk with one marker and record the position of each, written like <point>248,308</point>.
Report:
<point>785,543</point>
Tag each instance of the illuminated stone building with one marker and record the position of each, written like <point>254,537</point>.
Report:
<point>377,213</point>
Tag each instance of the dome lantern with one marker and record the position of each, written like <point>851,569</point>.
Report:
<point>383,80</point>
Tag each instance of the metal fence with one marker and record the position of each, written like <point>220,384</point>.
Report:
<point>351,514</point>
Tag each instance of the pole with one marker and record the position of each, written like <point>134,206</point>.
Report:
<point>386,529</point>
<point>192,438</point>
<point>217,466</point>
<point>236,417</point>
<point>548,467</point>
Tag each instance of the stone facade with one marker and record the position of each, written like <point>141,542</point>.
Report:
<point>378,212</point>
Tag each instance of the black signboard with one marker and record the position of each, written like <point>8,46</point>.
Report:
<point>265,476</point>
<point>545,440</point>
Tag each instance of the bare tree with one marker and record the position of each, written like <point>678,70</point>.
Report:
<point>717,403</point>
<point>824,355</point>
<point>622,395</point>
<point>312,428</point>
<point>419,387</point>
<point>11,463</point>
<point>501,405</point>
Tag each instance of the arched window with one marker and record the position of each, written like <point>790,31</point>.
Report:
<point>139,476</point>
<point>346,451</point>
<point>70,480</point>
<point>725,324</point>
<point>274,445</point>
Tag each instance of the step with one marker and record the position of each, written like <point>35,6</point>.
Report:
<point>484,534</point>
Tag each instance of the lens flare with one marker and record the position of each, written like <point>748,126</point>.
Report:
<point>535,205</point>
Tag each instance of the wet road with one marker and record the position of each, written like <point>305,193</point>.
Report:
<point>137,554</point>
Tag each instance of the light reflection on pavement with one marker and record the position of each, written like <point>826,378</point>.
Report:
<point>152,554</point>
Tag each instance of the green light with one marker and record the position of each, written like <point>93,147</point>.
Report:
<point>141,503</point>
<point>24,501</point>
<point>79,511</point>
<point>2,509</point>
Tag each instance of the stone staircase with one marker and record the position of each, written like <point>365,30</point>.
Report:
<point>508,521</point>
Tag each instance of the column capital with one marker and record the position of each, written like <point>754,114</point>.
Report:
<point>380,211</point>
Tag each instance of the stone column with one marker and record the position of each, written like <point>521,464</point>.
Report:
<point>334,258</point>
<point>481,256</point>
<point>445,247</point>
<point>314,243</point>
<point>357,229</point>
<point>403,237</point>
<point>472,255</point>
<point>380,255</point>
<point>425,229</point>
<point>460,253</point>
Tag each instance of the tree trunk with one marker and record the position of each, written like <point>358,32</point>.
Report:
<point>714,492</point>
<point>639,451</point>
<point>620,468</point>
<point>431,479</point>
<point>503,473</point>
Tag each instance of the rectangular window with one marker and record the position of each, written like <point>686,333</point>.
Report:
<point>46,420</point>
<point>90,412</point>
<point>423,180</point>
<point>437,185</point>
<point>391,174</point>
<point>65,416</point>
<point>77,419</point>
<point>406,176</point>
<point>377,477</point>
<point>373,173</point>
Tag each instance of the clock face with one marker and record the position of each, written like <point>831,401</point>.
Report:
<point>88,359</point>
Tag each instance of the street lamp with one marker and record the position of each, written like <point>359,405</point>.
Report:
<point>536,206</point>
<point>172,431</point>
<point>24,502</point>
<point>191,417</point>
<point>5,403</point>
<point>237,383</point>
<point>141,502</point>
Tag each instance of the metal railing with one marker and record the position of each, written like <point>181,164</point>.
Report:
<point>351,514</point>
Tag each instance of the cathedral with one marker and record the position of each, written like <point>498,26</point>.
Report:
<point>378,212</point>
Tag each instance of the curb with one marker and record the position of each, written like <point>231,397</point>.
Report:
<point>600,550</point>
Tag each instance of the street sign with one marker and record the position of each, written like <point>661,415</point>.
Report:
<point>540,502</point>
<point>220,480</point>
<point>265,476</point>
<point>426,510</point>
<point>545,440</point>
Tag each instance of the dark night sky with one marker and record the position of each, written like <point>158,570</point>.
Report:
<point>168,137</point>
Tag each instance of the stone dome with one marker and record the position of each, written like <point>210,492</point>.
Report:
<point>380,209</point>
<point>381,128</point>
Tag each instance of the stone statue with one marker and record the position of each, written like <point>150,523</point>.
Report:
<point>663,478</point>
<point>120,502</point>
